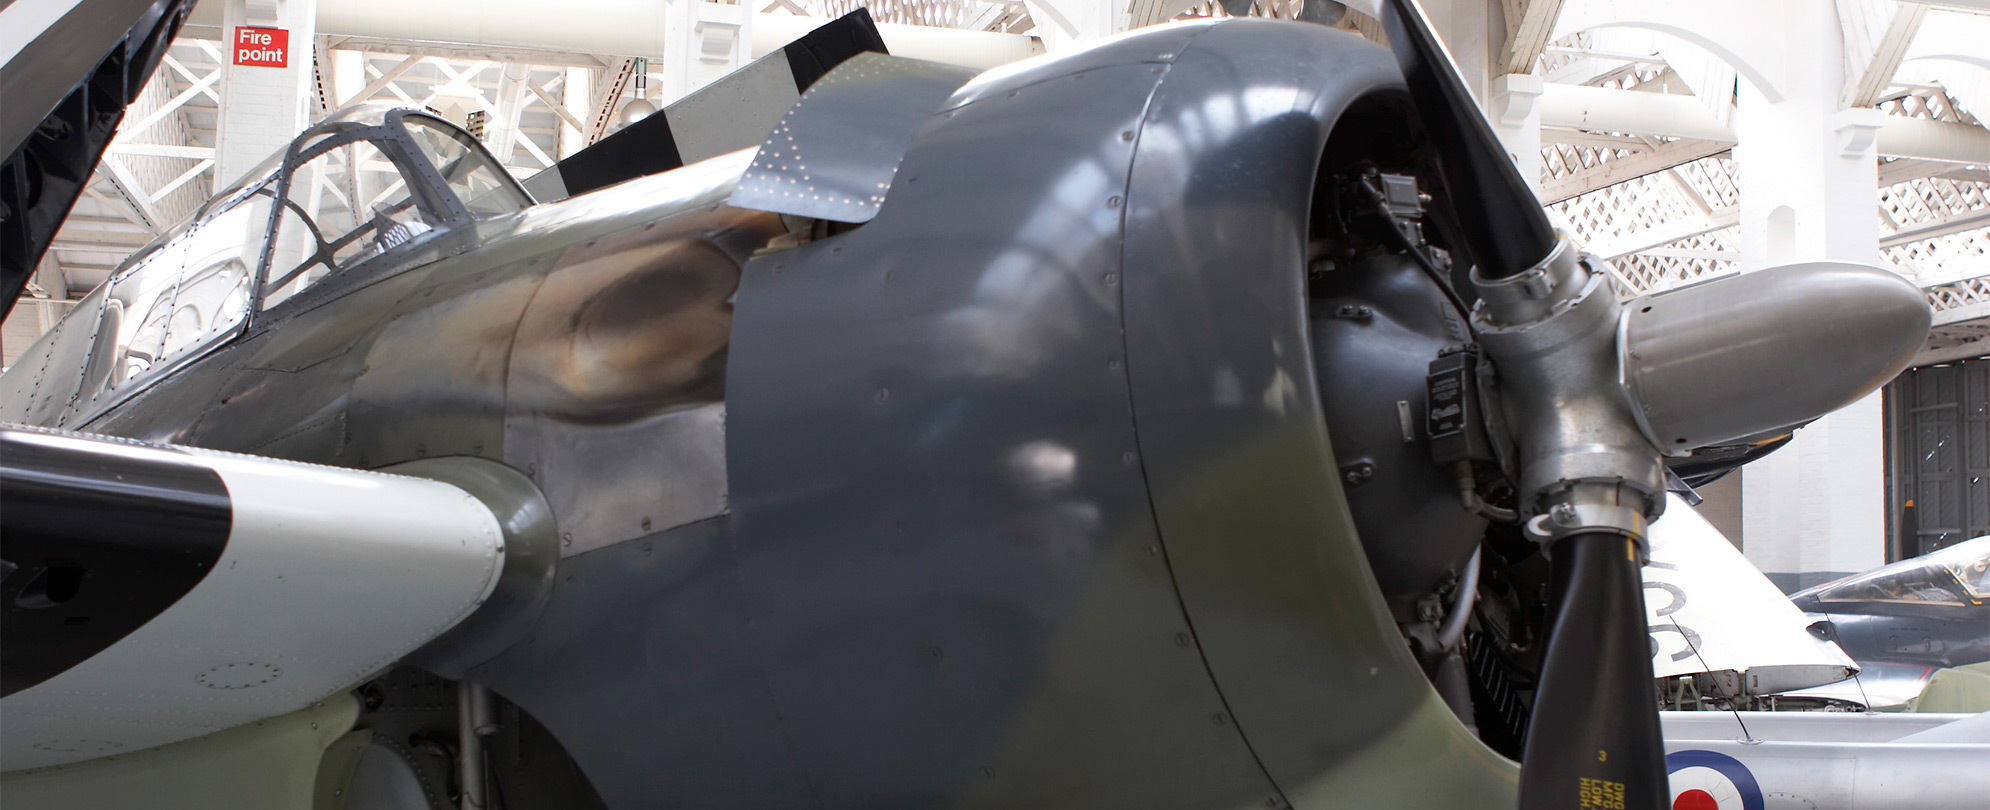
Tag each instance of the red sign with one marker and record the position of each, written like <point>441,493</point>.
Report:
<point>262,47</point>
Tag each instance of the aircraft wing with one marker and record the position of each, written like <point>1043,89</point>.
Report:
<point>153,594</point>
<point>1711,611</point>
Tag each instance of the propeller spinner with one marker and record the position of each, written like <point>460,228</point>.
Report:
<point>1594,393</point>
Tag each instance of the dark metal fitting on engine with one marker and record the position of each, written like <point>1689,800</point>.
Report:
<point>1468,496</point>
<point>1552,334</point>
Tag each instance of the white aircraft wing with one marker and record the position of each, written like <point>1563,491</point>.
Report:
<point>157,594</point>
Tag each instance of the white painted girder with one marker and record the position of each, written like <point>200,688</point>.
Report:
<point>1528,23</point>
<point>1952,223</point>
<point>1599,109</point>
<point>1647,161</point>
<point>1638,241</point>
<point>512,87</point>
<point>112,169</point>
<point>1877,35</point>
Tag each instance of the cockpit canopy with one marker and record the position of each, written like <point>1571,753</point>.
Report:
<point>363,188</point>
<point>1957,575</point>
<point>366,181</point>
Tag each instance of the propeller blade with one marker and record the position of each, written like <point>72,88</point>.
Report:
<point>1594,739</point>
<point>1503,224</point>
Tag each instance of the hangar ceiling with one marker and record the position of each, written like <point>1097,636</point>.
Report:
<point>1662,208</point>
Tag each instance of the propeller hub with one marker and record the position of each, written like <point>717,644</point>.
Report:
<point>1585,466</point>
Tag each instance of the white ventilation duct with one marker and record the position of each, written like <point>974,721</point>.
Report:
<point>1598,109</point>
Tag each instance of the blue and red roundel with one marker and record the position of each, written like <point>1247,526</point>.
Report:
<point>1704,780</point>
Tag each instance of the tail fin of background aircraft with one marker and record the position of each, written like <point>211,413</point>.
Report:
<point>732,113</point>
<point>1714,615</point>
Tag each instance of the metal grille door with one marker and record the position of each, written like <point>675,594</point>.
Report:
<point>1938,456</point>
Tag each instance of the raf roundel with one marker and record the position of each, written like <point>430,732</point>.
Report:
<point>1705,780</point>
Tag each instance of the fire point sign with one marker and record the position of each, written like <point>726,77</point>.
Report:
<point>262,47</point>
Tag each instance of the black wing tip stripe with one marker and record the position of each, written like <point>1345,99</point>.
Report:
<point>98,540</point>
<point>821,50</point>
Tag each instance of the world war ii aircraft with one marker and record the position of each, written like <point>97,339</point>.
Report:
<point>1903,622</point>
<point>1106,430</point>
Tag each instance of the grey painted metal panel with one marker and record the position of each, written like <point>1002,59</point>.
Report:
<point>942,525</point>
<point>1157,46</point>
<point>944,580</point>
<point>1232,431</point>
<point>644,667</point>
<point>834,153</point>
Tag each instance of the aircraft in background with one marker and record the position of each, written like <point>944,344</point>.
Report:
<point>1162,424</point>
<point>1902,622</point>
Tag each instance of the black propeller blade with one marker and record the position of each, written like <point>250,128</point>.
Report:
<point>1594,740</point>
<point>1507,231</point>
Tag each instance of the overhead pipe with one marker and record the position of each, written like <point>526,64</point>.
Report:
<point>1599,109</point>
<point>1668,115</point>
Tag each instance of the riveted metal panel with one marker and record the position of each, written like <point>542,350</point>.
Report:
<point>943,531</point>
<point>38,388</point>
<point>834,152</point>
<point>280,392</point>
<point>1233,436</point>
